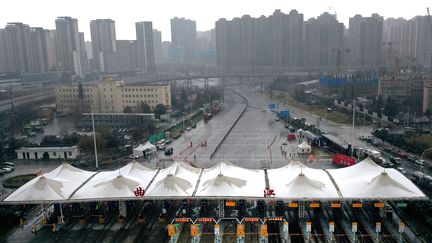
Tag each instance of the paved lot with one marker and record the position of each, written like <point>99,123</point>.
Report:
<point>26,167</point>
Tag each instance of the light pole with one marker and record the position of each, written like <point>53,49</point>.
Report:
<point>382,112</point>
<point>422,161</point>
<point>353,118</point>
<point>94,138</point>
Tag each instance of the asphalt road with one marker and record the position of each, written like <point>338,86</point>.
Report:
<point>246,145</point>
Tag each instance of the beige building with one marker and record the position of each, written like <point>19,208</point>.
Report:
<point>402,88</point>
<point>111,97</point>
<point>427,95</point>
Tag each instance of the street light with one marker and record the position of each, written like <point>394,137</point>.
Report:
<point>422,161</point>
<point>353,119</point>
<point>94,138</point>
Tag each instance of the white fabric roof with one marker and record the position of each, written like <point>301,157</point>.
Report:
<point>56,185</point>
<point>139,148</point>
<point>364,167</point>
<point>228,180</point>
<point>296,181</point>
<point>367,180</point>
<point>304,145</point>
<point>120,183</point>
<point>149,146</point>
<point>178,180</point>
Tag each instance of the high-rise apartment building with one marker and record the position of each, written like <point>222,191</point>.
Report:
<point>17,47</point>
<point>124,59</point>
<point>38,53</point>
<point>157,44</point>
<point>68,46</point>
<point>274,41</point>
<point>3,51</point>
<point>183,39</point>
<point>323,38</point>
<point>103,40</point>
<point>366,40</point>
<point>411,40</point>
<point>145,48</point>
<point>25,49</point>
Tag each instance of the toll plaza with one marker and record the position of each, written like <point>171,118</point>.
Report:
<point>224,203</point>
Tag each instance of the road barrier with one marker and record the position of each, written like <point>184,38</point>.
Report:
<point>232,126</point>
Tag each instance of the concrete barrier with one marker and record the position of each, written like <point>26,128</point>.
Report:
<point>232,126</point>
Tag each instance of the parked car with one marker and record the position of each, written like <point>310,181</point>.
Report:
<point>188,128</point>
<point>161,144</point>
<point>168,140</point>
<point>169,151</point>
<point>419,161</point>
<point>133,156</point>
<point>402,154</point>
<point>10,164</point>
<point>395,160</point>
<point>6,170</point>
<point>401,170</point>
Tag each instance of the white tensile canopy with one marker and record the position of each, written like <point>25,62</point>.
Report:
<point>56,185</point>
<point>118,184</point>
<point>178,180</point>
<point>362,181</point>
<point>367,180</point>
<point>228,180</point>
<point>139,150</point>
<point>304,148</point>
<point>364,167</point>
<point>296,181</point>
<point>149,146</point>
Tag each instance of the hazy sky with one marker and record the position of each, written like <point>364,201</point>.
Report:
<point>125,13</point>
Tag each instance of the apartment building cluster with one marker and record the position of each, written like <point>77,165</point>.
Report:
<point>288,40</point>
<point>25,49</point>
<point>110,96</point>
<point>28,49</point>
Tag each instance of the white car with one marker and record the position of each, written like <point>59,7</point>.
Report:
<point>6,169</point>
<point>188,128</point>
<point>133,156</point>
<point>161,144</point>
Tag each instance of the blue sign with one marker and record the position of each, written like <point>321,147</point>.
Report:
<point>272,106</point>
<point>284,113</point>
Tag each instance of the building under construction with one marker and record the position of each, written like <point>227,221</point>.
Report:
<point>350,85</point>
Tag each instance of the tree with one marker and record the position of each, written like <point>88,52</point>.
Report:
<point>390,108</point>
<point>137,133</point>
<point>81,96</point>
<point>86,143</point>
<point>183,95</point>
<point>2,152</point>
<point>159,109</point>
<point>145,108</point>
<point>128,109</point>
<point>377,104</point>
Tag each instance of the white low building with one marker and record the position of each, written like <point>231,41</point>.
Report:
<point>47,152</point>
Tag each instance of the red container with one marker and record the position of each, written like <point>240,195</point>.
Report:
<point>343,160</point>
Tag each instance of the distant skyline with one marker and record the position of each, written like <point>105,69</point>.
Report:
<point>126,12</point>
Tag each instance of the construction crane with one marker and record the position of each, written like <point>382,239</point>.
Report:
<point>338,57</point>
<point>430,25</point>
